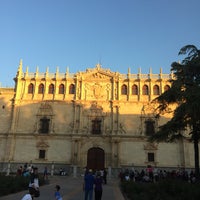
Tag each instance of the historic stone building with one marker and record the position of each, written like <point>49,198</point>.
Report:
<point>96,118</point>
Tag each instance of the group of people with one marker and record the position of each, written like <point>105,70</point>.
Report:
<point>33,186</point>
<point>27,170</point>
<point>151,174</point>
<point>31,194</point>
<point>94,181</point>
<point>24,170</point>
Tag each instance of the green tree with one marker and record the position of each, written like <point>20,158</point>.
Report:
<point>185,94</point>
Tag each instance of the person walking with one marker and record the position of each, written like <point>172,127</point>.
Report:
<point>57,193</point>
<point>98,190</point>
<point>88,185</point>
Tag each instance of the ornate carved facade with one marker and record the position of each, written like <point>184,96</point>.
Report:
<point>96,118</point>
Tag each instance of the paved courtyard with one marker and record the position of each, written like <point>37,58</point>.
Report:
<point>71,189</point>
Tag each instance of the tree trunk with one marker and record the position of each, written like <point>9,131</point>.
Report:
<point>196,153</point>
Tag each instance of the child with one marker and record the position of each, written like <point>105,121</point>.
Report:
<point>57,193</point>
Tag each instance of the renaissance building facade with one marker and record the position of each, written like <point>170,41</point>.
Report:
<point>95,118</point>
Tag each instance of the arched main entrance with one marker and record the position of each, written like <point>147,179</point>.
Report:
<point>95,158</point>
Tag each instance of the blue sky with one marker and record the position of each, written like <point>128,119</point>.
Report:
<point>81,33</point>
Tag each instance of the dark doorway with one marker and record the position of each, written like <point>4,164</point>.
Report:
<point>95,158</point>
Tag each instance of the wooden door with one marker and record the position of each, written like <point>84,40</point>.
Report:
<point>95,158</point>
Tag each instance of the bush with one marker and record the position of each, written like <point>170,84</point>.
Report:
<point>162,190</point>
<point>13,184</point>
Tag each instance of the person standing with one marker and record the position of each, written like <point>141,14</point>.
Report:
<point>88,184</point>
<point>98,190</point>
<point>45,174</point>
<point>105,176</point>
<point>34,182</point>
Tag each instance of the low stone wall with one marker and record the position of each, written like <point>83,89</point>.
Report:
<point>9,168</point>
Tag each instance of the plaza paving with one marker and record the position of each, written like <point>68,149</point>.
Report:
<point>71,189</point>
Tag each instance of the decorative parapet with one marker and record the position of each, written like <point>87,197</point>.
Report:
<point>59,75</point>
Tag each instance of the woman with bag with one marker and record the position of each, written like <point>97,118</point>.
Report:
<point>98,190</point>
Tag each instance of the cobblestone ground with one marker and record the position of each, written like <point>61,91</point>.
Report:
<point>71,189</point>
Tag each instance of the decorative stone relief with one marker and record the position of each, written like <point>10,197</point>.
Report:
<point>150,146</point>
<point>45,111</point>
<point>42,144</point>
<point>95,91</point>
<point>122,128</point>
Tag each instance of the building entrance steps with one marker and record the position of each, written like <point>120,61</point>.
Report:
<point>71,189</point>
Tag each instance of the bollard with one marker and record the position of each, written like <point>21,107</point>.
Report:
<point>52,169</point>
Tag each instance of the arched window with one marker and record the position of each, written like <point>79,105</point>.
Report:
<point>61,89</point>
<point>145,90</point>
<point>41,89</point>
<point>72,89</point>
<point>156,90</point>
<point>134,90</point>
<point>167,87</point>
<point>124,90</point>
<point>30,88</point>
<point>51,88</point>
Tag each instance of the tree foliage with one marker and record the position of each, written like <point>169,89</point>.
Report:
<point>185,94</point>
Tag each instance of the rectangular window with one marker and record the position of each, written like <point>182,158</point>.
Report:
<point>44,125</point>
<point>42,154</point>
<point>96,126</point>
<point>149,127</point>
<point>151,157</point>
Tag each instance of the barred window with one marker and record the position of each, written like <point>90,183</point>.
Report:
<point>151,157</point>
<point>96,126</point>
<point>72,89</point>
<point>156,90</point>
<point>42,154</point>
<point>124,90</point>
<point>61,89</point>
<point>44,125</point>
<point>149,127</point>
<point>51,88</point>
<point>145,90</point>
<point>134,90</point>
<point>30,88</point>
<point>41,89</point>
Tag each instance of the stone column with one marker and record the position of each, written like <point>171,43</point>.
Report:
<point>52,169</point>
<point>72,151</point>
<point>8,169</point>
<point>109,172</point>
<point>117,118</point>
<point>139,85</point>
<point>74,171</point>
<point>74,119</point>
<point>113,90</point>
